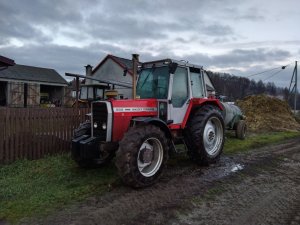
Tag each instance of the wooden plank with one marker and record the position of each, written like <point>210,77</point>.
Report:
<point>21,133</point>
<point>9,154</point>
<point>2,134</point>
<point>27,136</point>
<point>51,116</point>
<point>61,129</point>
<point>37,133</point>
<point>16,121</point>
<point>31,134</point>
<point>66,127</point>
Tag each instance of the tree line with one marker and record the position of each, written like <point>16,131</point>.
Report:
<point>234,88</point>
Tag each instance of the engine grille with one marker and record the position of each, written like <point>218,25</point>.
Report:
<point>99,114</point>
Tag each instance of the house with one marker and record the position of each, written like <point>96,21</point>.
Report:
<point>28,86</point>
<point>112,68</point>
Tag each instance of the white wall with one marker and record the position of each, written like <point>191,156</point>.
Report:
<point>112,71</point>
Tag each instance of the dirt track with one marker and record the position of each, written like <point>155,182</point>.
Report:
<point>264,189</point>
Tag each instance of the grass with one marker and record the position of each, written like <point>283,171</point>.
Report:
<point>234,145</point>
<point>37,188</point>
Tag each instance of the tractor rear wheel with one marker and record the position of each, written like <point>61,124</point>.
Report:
<point>241,129</point>
<point>142,155</point>
<point>106,152</point>
<point>205,135</point>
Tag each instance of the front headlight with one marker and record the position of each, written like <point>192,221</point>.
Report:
<point>95,125</point>
<point>104,126</point>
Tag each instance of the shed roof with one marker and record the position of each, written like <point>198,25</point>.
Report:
<point>31,73</point>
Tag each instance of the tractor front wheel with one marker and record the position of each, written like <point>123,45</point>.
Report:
<point>142,155</point>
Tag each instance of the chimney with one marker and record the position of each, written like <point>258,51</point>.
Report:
<point>88,70</point>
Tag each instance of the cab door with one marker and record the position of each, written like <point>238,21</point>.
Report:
<point>179,95</point>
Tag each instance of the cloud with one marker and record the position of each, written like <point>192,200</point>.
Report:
<point>246,57</point>
<point>66,35</point>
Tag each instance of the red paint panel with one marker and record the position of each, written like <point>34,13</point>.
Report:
<point>125,110</point>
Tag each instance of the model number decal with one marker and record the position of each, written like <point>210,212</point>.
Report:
<point>135,109</point>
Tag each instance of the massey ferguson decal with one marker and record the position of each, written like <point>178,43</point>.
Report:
<point>135,109</point>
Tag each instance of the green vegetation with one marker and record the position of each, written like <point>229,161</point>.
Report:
<point>37,188</point>
<point>234,145</point>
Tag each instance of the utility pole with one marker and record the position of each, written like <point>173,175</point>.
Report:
<point>294,89</point>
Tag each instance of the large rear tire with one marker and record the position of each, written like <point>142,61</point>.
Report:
<point>205,135</point>
<point>106,152</point>
<point>142,155</point>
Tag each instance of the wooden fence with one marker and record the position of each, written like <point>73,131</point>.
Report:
<point>35,132</point>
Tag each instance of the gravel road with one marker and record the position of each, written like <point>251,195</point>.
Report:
<point>258,187</point>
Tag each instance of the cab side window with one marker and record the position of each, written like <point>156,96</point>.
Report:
<point>180,87</point>
<point>197,84</point>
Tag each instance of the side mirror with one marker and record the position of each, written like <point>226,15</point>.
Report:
<point>172,67</point>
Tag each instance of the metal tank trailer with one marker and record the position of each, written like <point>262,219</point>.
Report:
<point>234,119</point>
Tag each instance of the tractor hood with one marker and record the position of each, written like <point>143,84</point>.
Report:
<point>137,107</point>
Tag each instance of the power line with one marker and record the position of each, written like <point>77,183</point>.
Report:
<point>252,75</point>
<point>265,71</point>
<point>274,74</point>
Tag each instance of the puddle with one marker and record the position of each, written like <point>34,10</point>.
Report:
<point>224,168</point>
<point>237,167</point>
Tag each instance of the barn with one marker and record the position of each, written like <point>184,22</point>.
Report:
<point>29,86</point>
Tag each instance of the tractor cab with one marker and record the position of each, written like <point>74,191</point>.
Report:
<point>174,84</point>
<point>89,93</point>
<point>92,92</point>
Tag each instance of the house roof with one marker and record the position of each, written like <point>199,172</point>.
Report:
<point>31,73</point>
<point>122,62</point>
<point>4,61</point>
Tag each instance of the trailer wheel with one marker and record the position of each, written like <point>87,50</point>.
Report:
<point>106,152</point>
<point>205,135</point>
<point>241,130</point>
<point>142,155</point>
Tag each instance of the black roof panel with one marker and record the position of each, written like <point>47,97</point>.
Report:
<point>31,73</point>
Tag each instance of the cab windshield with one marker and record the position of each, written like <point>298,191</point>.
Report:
<point>153,83</point>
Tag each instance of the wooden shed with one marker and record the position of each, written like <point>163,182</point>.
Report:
<point>28,86</point>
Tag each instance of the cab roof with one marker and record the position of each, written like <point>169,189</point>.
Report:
<point>169,61</point>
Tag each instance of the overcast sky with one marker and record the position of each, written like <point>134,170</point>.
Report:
<point>239,37</point>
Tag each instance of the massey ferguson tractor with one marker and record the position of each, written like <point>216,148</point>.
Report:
<point>172,106</point>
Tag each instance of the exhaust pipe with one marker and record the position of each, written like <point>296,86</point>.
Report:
<point>135,61</point>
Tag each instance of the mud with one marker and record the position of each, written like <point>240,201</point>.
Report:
<point>260,187</point>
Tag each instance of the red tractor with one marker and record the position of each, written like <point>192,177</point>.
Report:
<point>172,106</point>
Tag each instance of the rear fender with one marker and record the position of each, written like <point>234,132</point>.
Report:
<point>198,103</point>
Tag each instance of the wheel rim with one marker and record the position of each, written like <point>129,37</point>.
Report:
<point>150,157</point>
<point>213,136</point>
